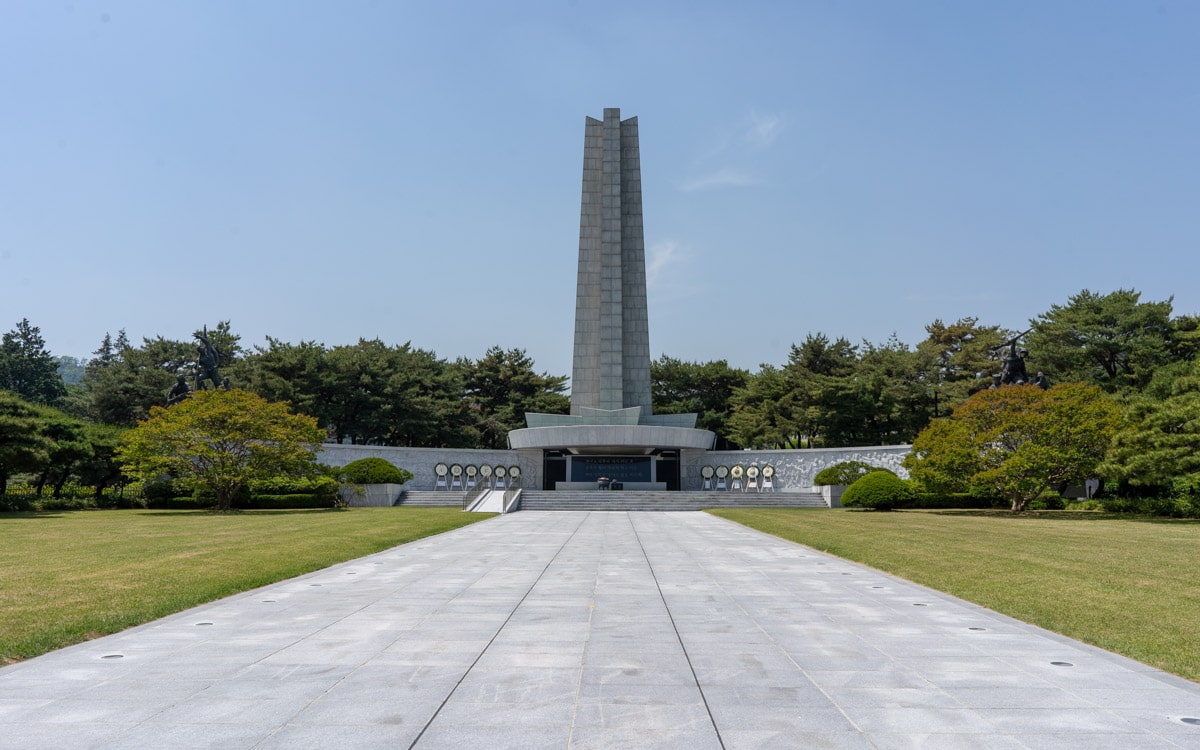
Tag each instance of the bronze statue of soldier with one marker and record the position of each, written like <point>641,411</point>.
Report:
<point>1012,369</point>
<point>179,391</point>
<point>208,361</point>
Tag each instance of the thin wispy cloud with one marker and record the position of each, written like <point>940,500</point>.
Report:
<point>660,257</point>
<point>722,178</point>
<point>763,129</point>
<point>756,132</point>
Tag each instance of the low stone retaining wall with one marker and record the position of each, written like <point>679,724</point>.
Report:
<point>794,469</point>
<point>370,495</point>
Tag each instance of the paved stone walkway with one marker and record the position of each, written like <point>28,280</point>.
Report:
<point>593,630</point>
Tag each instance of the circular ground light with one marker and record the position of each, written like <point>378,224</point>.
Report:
<point>113,656</point>
<point>1062,664</point>
<point>1191,720</point>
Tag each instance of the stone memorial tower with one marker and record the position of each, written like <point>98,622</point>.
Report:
<point>611,429</point>
<point>611,366</point>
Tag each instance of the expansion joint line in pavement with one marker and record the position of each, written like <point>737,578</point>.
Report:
<point>700,565</point>
<point>495,635</point>
<point>587,637</point>
<point>675,627</point>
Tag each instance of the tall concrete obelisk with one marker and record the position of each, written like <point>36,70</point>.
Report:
<point>610,423</point>
<point>611,366</point>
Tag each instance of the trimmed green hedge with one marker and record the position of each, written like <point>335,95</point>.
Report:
<point>323,486</point>
<point>17,503</point>
<point>1179,506</point>
<point>300,500</point>
<point>279,492</point>
<point>162,490</point>
<point>936,501</point>
<point>250,502</point>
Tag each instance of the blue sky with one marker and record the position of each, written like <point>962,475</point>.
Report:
<point>411,170</point>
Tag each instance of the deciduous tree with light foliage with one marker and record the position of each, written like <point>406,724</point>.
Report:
<point>222,440</point>
<point>1016,442</point>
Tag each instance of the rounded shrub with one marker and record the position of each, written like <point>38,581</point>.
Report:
<point>373,471</point>
<point>879,490</point>
<point>846,472</point>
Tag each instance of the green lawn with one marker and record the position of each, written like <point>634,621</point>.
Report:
<point>68,577</point>
<point>1125,584</point>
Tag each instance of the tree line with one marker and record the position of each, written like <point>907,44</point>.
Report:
<point>829,393</point>
<point>366,393</point>
<point>833,393</point>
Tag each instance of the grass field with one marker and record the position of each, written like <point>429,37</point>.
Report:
<point>1125,584</point>
<point>67,577</point>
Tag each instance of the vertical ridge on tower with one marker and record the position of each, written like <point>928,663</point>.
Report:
<point>611,363</point>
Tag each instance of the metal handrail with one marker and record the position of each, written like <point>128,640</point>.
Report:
<point>512,495</point>
<point>470,496</point>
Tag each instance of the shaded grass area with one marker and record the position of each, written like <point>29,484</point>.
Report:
<point>68,577</point>
<point>1126,584</point>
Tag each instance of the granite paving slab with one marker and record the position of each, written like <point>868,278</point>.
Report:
<point>593,630</point>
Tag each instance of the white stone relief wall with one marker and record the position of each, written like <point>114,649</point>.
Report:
<point>420,461</point>
<point>794,469</point>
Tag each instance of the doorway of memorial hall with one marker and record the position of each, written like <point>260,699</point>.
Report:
<point>560,466</point>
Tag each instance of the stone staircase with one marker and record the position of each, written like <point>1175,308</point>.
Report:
<point>635,501</point>
<point>430,499</point>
